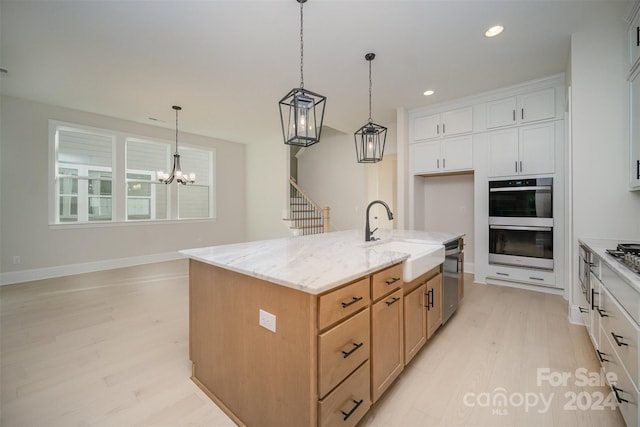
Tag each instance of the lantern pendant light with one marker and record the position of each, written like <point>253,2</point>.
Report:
<point>370,138</point>
<point>301,111</point>
<point>176,172</point>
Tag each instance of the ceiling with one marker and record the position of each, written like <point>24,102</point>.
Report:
<point>228,62</point>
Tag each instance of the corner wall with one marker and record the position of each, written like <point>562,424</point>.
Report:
<point>49,251</point>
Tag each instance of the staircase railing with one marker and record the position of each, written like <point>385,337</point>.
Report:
<point>306,216</point>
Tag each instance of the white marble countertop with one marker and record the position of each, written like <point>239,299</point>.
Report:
<point>315,263</point>
<point>599,247</point>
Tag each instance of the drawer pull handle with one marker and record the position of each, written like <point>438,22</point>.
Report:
<point>353,301</point>
<point>602,313</point>
<point>393,301</point>
<point>346,354</point>
<point>583,310</point>
<point>392,281</point>
<point>601,356</point>
<point>618,398</point>
<point>638,169</point>
<point>593,297</point>
<point>536,278</point>
<point>348,414</point>
<point>618,339</point>
<point>502,274</point>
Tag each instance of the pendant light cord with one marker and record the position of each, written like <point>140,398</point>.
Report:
<point>370,119</point>
<point>176,131</point>
<point>301,49</point>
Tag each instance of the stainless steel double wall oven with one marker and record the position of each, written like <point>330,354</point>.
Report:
<point>521,222</point>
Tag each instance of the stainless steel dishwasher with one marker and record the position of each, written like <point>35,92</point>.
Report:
<point>452,272</point>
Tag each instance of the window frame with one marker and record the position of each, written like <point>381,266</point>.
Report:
<point>119,180</point>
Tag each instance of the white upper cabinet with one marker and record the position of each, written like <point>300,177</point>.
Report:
<point>634,143</point>
<point>526,108</point>
<point>449,123</point>
<point>446,155</point>
<point>527,150</point>
<point>634,41</point>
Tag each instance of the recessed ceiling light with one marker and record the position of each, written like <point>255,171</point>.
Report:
<point>494,31</point>
<point>428,92</point>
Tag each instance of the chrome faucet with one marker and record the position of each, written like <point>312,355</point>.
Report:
<point>368,234</point>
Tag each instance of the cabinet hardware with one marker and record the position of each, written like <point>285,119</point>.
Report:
<point>637,36</point>
<point>520,166</point>
<point>443,163</point>
<point>353,301</point>
<point>501,274</point>
<point>392,281</point>
<point>583,310</point>
<point>516,166</point>
<point>437,129</point>
<point>637,169</point>
<point>514,115</point>
<point>438,163</point>
<point>348,414</point>
<point>443,131</point>
<point>522,113</point>
<point>593,294</point>
<point>536,278</point>
<point>601,356</point>
<point>602,312</point>
<point>346,354</point>
<point>393,301</point>
<point>618,339</point>
<point>618,398</point>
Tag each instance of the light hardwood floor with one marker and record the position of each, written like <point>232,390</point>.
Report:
<point>111,349</point>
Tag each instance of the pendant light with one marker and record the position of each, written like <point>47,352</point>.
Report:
<point>176,172</point>
<point>301,111</point>
<point>370,138</point>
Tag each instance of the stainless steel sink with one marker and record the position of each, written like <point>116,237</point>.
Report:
<point>423,256</point>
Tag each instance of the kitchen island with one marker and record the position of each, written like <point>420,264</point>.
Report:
<point>307,330</point>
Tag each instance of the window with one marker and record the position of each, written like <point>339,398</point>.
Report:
<point>90,186</point>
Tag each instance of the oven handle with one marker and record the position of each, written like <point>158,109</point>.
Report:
<point>518,227</point>
<point>532,188</point>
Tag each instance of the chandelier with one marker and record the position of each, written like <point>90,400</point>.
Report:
<point>176,172</point>
<point>370,138</point>
<point>301,111</point>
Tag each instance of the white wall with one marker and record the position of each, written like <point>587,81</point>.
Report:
<point>449,207</point>
<point>330,174</point>
<point>24,178</point>
<point>602,205</point>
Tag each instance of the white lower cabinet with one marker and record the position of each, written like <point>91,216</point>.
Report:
<point>527,150</point>
<point>521,275</point>
<point>634,142</point>
<point>445,155</point>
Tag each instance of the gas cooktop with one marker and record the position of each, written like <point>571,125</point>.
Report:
<point>628,254</point>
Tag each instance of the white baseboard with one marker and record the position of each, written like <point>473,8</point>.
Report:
<point>87,267</point>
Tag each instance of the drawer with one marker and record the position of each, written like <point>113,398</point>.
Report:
<point>615,322</point>
<point>386,281</point>
<point>617,377</point>
<point>347,404</point>
<point>342,349</point>
<point>342,302</point>
<point>521,275</point>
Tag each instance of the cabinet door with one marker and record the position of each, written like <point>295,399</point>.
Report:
<point>537,149</point>
<point>415,322</point>
<point>634,152</point>
<point>426,127</point>
<point>501,112</point>
<point>540,105</point>
<point>387,343</point>
<point>426,157</point>
<point>634,41</point>
<point>434,304</point>
<point>503,152</point>
<point>457,153</point>
<point>458,121</point>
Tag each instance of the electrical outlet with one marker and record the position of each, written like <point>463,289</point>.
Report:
<point>268,320</point>
<point>16,260</point>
